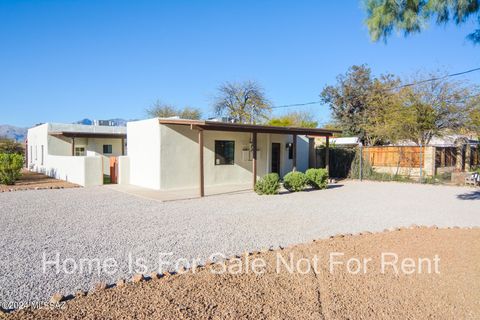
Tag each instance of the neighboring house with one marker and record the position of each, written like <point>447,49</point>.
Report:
<point>74,152</point>
<point>168,154</point>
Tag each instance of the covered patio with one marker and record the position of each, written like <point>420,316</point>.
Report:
<point>202,125</point>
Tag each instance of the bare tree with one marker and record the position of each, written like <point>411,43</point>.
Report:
<point>162,110</point>
<point>243,102</point>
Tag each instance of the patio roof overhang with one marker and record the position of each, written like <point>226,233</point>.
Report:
<point>205,125</point>
<point>240,127</point>
<point>102,135</point>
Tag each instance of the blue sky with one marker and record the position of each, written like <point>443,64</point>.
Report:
<point>61,61</point>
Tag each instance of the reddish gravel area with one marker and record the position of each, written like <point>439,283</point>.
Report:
<point>33,180</point>
<point>436,275</point>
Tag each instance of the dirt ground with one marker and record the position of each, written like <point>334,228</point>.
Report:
<point>450,290</point>
<point>32,180</point>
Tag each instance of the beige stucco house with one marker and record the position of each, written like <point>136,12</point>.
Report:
<point>171,154</point>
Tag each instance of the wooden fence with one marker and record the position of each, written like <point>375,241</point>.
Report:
<point>404,157</point>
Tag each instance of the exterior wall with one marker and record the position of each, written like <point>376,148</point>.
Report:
<point>58,161</point>
<point>180,157</point>
<point>166,157</point>
<point>144,153</point>
<point>123,170</point>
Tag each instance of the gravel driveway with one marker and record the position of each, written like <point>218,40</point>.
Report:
<point>83,227</point>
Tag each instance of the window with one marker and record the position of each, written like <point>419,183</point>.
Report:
<point>79,151</point>
<point>36,153</point>
<point>224,152</point>
<point>41,153</point>
<point>30,155</point>
<point>107,149</point>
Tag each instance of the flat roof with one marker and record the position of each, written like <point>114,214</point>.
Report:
<point>78,134</point>
<point>240,127</point>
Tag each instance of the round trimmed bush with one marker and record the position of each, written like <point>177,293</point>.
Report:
<point>295,181</point>
<point>269,184</point>
<point>317,178</point>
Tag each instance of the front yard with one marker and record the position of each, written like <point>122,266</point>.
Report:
<point>42,227</point>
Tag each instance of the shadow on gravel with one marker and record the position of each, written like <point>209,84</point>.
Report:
<point>474,195</point>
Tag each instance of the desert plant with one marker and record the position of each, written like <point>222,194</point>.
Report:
<point>317,178</point>
<point>269,184</point>
<point>10,167</point>
<point>295,181</point>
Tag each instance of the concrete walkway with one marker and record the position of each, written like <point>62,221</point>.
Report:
<point>181,194</point>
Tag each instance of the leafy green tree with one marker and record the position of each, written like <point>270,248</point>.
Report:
<point>161,110</point>
<point>473,118</point>
<point>411,16</point>
<point>359,102</point>
<point>348,99</point>
<point>432,108</point>
<point>294,119</point>
<point>243,102</point>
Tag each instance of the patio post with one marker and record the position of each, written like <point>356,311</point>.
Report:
<point>311,153</point>
<point>294,152</point>
<point>254,158</point>
<point>123,146</point>
<point>327,154</point>
<point>200,146</point>
<point>73,146</point>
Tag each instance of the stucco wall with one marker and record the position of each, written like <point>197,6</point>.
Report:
<point>180,157</point>
<point>144,153</point>
<point>58,161</point>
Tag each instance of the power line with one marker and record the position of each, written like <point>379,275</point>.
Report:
<point>393,88</point>
<point>433,79</point>
<point>296,105</point>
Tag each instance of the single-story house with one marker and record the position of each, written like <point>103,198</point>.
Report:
<point>74,152</point>
<point>169,154</point>
<point>173,154</point>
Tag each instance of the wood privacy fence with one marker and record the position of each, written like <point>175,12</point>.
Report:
<point>404,157</point>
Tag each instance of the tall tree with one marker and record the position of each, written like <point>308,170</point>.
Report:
<point>243,102</point>
<point>10,146</point>
<point>348,99</point>
<point>161,110</point>
<point>294,119</point>
<point>411,16</point>
<point>432,108</point>
<point>473,118</point>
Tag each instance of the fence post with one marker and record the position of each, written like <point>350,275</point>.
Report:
<point>421,163</point>
<point>361,160</point>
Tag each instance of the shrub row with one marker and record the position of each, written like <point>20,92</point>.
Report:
<point>293,181</point>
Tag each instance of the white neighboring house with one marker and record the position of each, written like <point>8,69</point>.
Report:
<point>74,152</point>
<point>172,154</point>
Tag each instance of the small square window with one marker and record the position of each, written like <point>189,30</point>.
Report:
<point>79,151</point>
<point>107,149</point>
<point>224,152</point>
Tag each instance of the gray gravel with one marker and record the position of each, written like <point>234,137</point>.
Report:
<point>100,223</point>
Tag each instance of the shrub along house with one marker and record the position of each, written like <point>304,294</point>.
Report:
<point>170,154</point>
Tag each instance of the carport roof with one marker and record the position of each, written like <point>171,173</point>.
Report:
<point>77,134</point>
<point>240,127</point>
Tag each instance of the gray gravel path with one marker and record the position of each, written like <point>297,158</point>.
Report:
<point>100,223</point>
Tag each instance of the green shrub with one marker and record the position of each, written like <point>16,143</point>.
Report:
<point>10,167</point>
<point>269,184</point>
<point>295,181</point>
<point>317,178</point>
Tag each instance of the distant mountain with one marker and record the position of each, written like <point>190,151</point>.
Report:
<point>12,132</point>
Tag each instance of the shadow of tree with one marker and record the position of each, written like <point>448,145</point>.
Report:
<point>474,195</point>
